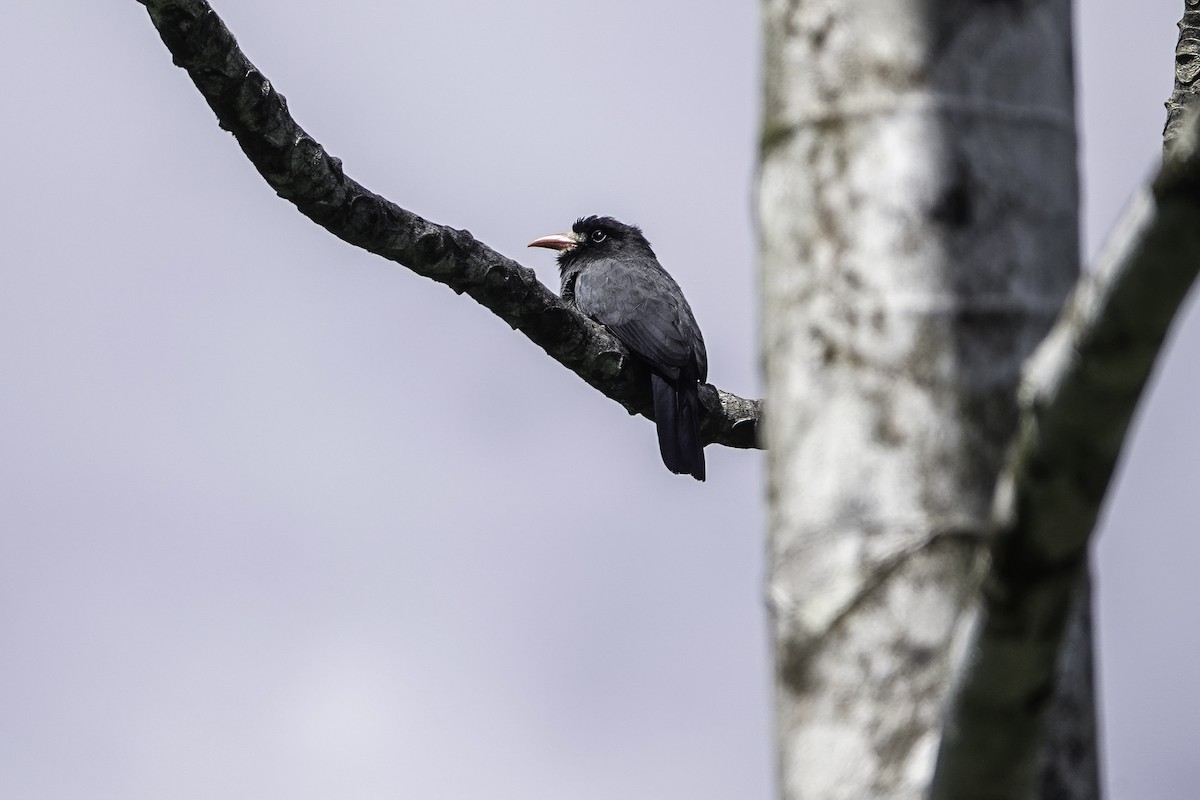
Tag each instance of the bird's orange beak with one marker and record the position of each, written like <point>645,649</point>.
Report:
<point>557,241</point>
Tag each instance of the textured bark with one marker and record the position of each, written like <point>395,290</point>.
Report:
<point>918,218</point>
<point>1187,70</point>
<point>918,210</point>
<point>1077,401</point>
<point>301,172</point>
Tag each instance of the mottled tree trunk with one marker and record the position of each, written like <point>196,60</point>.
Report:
<point>918,210</point>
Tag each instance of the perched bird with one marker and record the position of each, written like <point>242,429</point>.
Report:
<point>610,274</point>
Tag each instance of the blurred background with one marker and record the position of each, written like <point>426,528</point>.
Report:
<point>280,519</point>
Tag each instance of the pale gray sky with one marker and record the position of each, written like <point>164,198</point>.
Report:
<point>280,519</point>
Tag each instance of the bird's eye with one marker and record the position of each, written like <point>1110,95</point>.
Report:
<point>599,236</point>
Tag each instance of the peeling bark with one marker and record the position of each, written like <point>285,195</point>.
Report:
<point>303,173</point>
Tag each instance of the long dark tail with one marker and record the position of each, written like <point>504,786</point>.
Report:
<point>677,414</point>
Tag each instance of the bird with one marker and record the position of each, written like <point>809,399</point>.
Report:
<point>610,273</point>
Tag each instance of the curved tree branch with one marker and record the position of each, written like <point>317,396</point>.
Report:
<point>301,172</point>
<point>1079,396</point>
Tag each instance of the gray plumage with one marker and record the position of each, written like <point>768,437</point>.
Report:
<point>611,274</point>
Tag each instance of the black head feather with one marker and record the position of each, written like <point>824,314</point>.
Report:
<point>604,236</point>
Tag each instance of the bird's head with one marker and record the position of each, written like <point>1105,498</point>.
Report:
<point>595,236</point>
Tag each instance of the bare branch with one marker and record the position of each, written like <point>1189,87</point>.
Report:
<point>1187,69</point>
<point>1080,392</point>
<point>303,173</point>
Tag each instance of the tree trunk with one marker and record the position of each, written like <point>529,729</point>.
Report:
<point>918,208</point>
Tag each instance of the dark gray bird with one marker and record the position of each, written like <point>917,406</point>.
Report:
<point>610,274</point>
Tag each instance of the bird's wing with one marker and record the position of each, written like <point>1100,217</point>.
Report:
<point>643,307</point>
